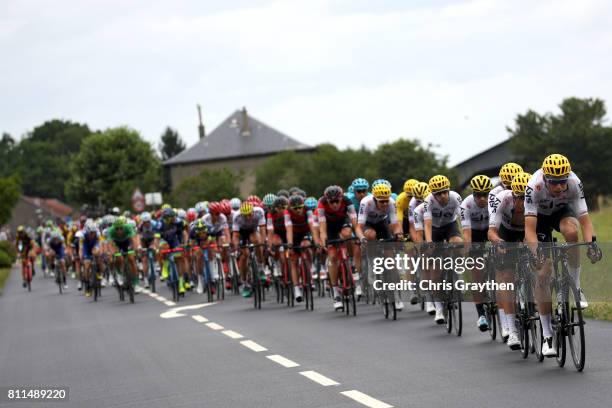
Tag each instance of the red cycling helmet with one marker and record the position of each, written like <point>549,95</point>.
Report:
<point>191,215</point>
<point>226,208</point>
<point>215,207</point>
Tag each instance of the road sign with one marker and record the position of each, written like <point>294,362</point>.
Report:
<point>153,198</point>
<point>138,203</point>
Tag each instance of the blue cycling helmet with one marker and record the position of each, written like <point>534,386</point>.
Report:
<point>360,184</point>
<point>311,203</point>
<point>394,196</point>
<point>380,181</point>
<point>350,189</point>
<point>350,195</point>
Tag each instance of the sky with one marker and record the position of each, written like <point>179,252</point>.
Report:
<point>453,74</point>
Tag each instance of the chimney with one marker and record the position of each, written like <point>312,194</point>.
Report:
<point>201,130</point>
<point>245,129</point>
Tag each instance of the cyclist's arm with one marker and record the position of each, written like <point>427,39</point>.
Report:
<point>427,229</point>
<point>531,236</point>
<point>587,227</point>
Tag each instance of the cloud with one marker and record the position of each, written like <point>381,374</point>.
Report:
<point>345,72</point>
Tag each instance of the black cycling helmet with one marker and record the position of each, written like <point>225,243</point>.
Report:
<point>281,201</point>
<point>296,201</point>
<point>333,193</point>
<point>301,193</point>
<point>168,213</point>
<point>283,192</point>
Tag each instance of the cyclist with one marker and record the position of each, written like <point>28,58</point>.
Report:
<point>249,225</point>
<point>172,232</point>
<point>89,243</point>
<point>336,218</point>
<point>507,224</point>
<point>56,250</point>
<point>402,204</point>
<point>268,201</point>
<point>74,236</point>
<point>122,238</point>
<point>377,219</point>
<point>235,203</point>
<point>418,238</point>
<point>26,248</point>
<point>218,229</point>
<point>299,225</point>
<point>198,236</point>
<point>276,230</point>
<point>146,237</point>
<point>475,225</point>
<point>419,191</point>
<point>554,199</point>
<point>440,213</point>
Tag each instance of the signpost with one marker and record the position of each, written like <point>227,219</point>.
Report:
<point>138,202</point>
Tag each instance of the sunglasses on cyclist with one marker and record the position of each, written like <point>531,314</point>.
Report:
<point>383,201</point>
<point>556,181</point>
<point>297,207</point>
<point>334,201</point>
<point>361,191</point>
<point>439,193</point>
<point>518,197</point>
<point>480,195</point>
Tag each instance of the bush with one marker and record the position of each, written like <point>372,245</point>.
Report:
<point>5,260</point>
<point>7,249</point>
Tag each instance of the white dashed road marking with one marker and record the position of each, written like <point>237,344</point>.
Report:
<point>253,346</point>
<point>285,362</point>
<point>365,399</point>
<point>214,326</point>
<point>232,334</point>
<point>169,303</point>
<point>199,318</point>
<point>318,378</point>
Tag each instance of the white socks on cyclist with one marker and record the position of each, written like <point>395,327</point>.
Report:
<point>510,323</point>
<point>502,319</point>
<point>546,325</point>
<point>575,273</point>
<point>336,292</point>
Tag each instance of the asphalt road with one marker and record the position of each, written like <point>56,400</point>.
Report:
<point>114,354</point>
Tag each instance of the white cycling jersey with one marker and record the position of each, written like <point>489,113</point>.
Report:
<point>372,215</point>
<point>442,215</point>
<point>240,222</point>
<point>215,227</point>
<point>500,187</point>
<point>412,205</point>
<point>538,200</point>
<point>473,216</point>
<point>417,215</point>
<point>503,213</point>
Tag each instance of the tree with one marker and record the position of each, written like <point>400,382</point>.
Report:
<point>212,185</point>
<point>7,155</point>
<point>44,156</point>
<point>171,144</point>
<point>10,192</point>
<point>110,165</point>
<point>578,132</point>
<point>404,159</point>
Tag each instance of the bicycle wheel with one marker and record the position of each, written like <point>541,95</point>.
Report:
<point>537,338</point>
<point>448,314</point>
<point>559,333</point>
<point>256,284</point>
<point>458,313</point>
<point>575,329</point>
<point>492,318</point>
<point>385,307</point>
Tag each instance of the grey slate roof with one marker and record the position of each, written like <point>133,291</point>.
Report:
<point>228,141</point>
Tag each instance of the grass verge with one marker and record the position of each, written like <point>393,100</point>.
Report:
<point>4,273</point>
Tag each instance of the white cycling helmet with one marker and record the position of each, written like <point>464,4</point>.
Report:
<point>181,214</point>
<point>199,207</point>
<point>145,216</point>
<point>235,203</point>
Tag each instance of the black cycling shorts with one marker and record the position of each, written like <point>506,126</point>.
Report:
<point>334,228</point>
<point>381,228</point>
<point>546,223</point>
<point>445,232</point>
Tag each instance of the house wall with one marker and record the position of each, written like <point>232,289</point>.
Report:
<point>24,213</point>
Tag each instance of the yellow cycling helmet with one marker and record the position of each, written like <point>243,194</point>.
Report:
<point>519,183</point>
<point>246,208</point>
<point>20,228</point>
<point>508,171</point>
<point>420,190</point>
<point>409,185</point>
<point>439,183</point>
<point>481,184</point>
<point>163,207</point>
<point>556,165</point>
<point>381,192</point>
